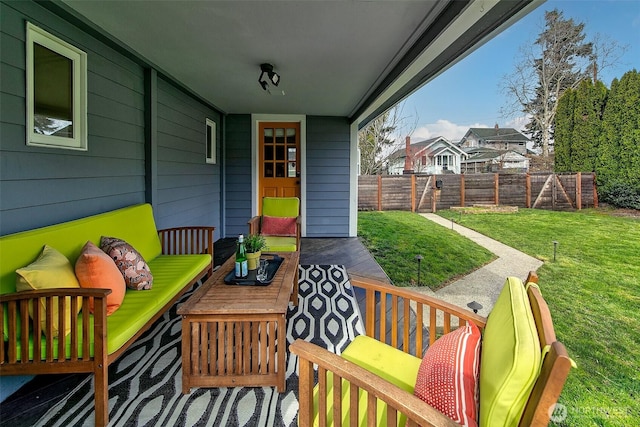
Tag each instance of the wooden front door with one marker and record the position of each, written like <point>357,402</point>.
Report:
<point>279,160</point>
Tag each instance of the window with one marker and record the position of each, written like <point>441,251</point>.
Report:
<point>56,92</point>
<point>211,141</point>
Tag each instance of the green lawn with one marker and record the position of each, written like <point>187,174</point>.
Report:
<point>396,238</point>
<point>593,291</point>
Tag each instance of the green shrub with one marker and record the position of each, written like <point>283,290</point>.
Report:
<point>620,194</point>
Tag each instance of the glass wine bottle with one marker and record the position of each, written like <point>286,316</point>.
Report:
<point>241,259</point>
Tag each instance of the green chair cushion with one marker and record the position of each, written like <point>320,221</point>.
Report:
<point>281,206</point>
<point>382,360</point>
<point>279,244</point>
<point>393,365</point>
<point>510,357</point>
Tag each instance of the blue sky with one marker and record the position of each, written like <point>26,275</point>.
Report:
<point>468,94</point>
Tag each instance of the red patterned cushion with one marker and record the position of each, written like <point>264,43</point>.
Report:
<point>448,375</point>
<point>131,264</point>
<point>275,226</point>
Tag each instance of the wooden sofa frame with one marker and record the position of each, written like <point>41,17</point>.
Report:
<point>537,412</point>
<point>174,241</point>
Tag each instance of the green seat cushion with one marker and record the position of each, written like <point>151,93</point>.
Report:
<point>279,244</point>
<point>171,274</point>
<point>393,365</point>
<point>387,362</point>
<point>510,357</point>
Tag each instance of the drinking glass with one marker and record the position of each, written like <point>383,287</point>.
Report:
<point>262,270</point>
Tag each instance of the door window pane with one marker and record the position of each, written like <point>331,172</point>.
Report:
<point>291,171</point>
<point>280,136</point>
<point>280,170</point>
<point>280,152</point>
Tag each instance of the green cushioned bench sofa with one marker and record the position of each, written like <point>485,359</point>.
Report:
<point>176,257</point>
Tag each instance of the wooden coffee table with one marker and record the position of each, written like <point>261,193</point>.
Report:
<point>236,335</point>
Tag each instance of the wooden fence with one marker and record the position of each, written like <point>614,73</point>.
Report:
<point>428,193</point>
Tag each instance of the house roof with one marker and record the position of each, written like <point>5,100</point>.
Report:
<point>497,134</point>
<point>485,154</point>
<point>351,59</point>
<point>428,147</point>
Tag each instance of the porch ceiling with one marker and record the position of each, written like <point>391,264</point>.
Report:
<point>336,58</point>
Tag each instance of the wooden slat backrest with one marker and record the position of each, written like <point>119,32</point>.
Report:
<point>400,310</point>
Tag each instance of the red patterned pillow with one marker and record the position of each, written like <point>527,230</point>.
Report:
<point>276,226</point>
<point>448,375</point>
<point>131,264</point>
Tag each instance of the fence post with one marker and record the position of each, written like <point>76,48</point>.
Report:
<point>413,193</point>
<point>433,194</point>
<point>379,192</point>
<point>579,190</point>
<point>496,189</point>
<point>462,191</point>
<point>528,191</point>
<point>595,192</point>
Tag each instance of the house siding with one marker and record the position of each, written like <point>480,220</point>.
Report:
<point>327,177</point>
<point>42,186</point>
<point>188,189</point>
<point>237,173</point>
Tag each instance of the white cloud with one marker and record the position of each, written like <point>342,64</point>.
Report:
<point>453,132</point>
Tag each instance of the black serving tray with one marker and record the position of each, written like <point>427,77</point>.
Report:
<point>275,262</point>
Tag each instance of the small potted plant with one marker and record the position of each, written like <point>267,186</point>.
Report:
<point>254,243</point>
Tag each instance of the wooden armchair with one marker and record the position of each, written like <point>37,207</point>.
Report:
<point>393,316</point>
<point>279,224</point>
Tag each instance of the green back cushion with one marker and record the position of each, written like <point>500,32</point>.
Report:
<point>281,206</point>
<point>135,224</point>
<point>511,357</point>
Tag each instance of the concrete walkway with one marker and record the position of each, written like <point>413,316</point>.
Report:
<point>483,285</point>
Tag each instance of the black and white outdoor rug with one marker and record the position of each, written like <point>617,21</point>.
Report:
<point>145,384</point>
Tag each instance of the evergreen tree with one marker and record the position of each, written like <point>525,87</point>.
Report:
<point>619,153</point>
<point>588,109</point>
<point>558,60</point>
<point>563,132</point>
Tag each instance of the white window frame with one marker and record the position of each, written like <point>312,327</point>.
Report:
<point>79,60</point>
<point>211,145</point>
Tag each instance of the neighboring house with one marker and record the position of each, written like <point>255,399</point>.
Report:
<point>174,104</point>
<point>481,160</point>
<point>496,138</point>
<point>431,156</point>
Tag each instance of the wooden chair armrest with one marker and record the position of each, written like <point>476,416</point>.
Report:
<point>254,225</point>
<point>397,400</point>
<point>188,240</point>
<point>20,325</point>
<point>401,310</point>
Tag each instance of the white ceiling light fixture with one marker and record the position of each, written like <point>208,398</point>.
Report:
<point>267,75</point>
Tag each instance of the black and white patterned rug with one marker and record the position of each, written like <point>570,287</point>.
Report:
<point>145,384</point>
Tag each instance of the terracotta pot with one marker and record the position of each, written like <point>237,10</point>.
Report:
<point>253,259</point>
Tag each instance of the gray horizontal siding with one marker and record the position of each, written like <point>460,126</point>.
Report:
<point>188,189</point>
<point>41,186</point>
<point>327,173</point>
<point>237,174</point>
